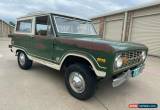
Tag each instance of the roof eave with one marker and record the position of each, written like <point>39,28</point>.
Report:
<point>127,10</point>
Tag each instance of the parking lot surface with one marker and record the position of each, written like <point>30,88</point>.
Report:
<point>42,88</point>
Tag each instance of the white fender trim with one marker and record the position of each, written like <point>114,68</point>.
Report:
<point>97,72</point>
<point>58,67</point>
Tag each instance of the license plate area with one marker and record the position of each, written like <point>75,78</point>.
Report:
<point>121,79</point>
<point>137,71</point>
<point>130,73</point>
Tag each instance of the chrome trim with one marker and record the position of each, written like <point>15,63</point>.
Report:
<point>116,71</point>
<point>125,76</point>
<point>77,82</point>
<point>115,62</point>
<point>121,79</point>
<point>134,58</point>
<point>22,59</point>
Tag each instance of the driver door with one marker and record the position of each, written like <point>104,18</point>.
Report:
<point>42,41</point>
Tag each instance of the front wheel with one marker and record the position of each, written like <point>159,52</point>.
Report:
<point>80,81</point>
<point>23,61</point>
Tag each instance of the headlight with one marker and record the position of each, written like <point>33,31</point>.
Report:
<point>118,61</point>
<point>143,55</point>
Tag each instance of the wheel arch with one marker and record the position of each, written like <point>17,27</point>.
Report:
<point>84,59</point>
<point>19,50</point>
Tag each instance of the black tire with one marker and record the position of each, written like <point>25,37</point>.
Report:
<point>89,78</point>
<point>27,63</point>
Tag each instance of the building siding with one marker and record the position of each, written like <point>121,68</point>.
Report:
<point>132,31</point>
<point>115,17</point>
<point>113,30</point>
<point>147,11</point>
<point>5,29</point>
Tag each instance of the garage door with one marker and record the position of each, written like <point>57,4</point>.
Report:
<point>146,30</point>
<point>113,30</point>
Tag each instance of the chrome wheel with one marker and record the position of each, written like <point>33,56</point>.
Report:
<point>77,82</point>
<point>22,59</point>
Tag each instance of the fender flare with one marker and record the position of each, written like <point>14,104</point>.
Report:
<point>97,72</point>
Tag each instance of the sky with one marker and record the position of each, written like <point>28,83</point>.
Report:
<point>11,9</point>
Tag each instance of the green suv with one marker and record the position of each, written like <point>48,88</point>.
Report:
<point>70,44</point>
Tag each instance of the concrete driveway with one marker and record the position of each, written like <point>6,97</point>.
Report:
<point>42,88</point>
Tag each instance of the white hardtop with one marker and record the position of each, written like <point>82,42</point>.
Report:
<point>41,13</point>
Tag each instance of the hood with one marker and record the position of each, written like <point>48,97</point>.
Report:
<point>117,46</point>
<point>100,44</point>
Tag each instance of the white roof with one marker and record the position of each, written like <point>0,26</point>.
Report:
<point>55,13</point>
<point>128,9</point>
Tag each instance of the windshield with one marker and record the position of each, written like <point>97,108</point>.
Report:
<point>73,26</point>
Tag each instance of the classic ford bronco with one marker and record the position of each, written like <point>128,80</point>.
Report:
<point>70,44</point>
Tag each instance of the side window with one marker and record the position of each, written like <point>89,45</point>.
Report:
<point>24,26</point>
<point>43,26</point>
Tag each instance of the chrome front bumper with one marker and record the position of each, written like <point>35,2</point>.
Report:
<point>125,76</point>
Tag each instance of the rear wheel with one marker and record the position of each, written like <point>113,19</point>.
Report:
<point>80,81</point>
<point>23,61</point>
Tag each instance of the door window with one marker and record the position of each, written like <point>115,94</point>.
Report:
<point>43,26</point>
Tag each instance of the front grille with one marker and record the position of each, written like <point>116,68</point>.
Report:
<point>131,58</point>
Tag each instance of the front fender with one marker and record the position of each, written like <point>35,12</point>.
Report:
<point>99,70</point>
